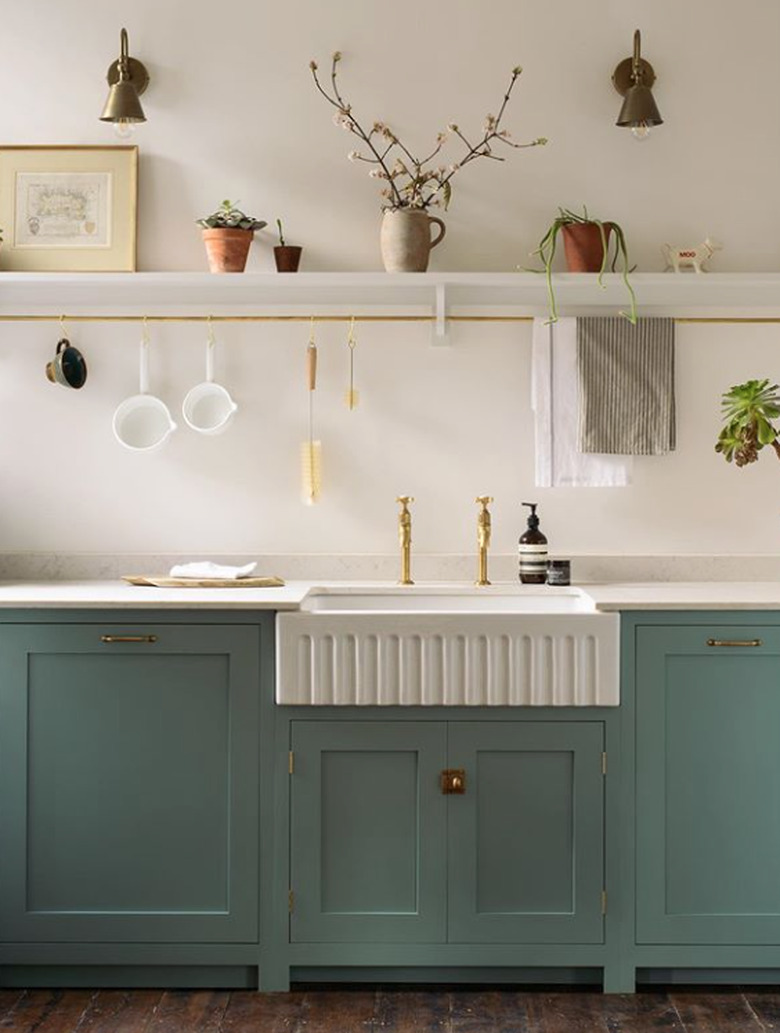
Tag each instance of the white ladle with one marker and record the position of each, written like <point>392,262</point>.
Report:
<point>143,422</point>
<point>208,407</point>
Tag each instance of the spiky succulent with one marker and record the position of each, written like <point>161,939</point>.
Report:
<point>229,217</point>
<point>748,411</point>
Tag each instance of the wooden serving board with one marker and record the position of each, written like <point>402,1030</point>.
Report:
<point>204,582</point>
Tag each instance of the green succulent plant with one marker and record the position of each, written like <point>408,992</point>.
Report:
<point>548,246</point>
<point>229,217</point>
<point>748,412</point>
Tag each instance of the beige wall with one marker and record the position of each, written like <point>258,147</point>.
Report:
<point>232,112</point>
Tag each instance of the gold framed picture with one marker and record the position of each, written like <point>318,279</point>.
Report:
<point>68,209</point>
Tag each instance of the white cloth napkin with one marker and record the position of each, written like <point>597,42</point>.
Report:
<point>555,403</point>
<point>207,569</point>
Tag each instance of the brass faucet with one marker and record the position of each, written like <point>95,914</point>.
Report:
<point>405,539</point>
<point>483,537</point>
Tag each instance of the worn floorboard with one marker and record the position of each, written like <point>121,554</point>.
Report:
<point>564,1012</point>
<point>250,1012</point>
<point>641,1013</point>
<point>8,1000</point>
<point>50,1011</point>
<point>765,1004</point>
<point>350,1011</point>
<point>199,1011</point>
<point>715,1012</point>
<point>388,1010</point>
<point>120,1011</point>
<point>412,1011</point>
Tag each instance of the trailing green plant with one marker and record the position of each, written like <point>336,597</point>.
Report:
<point>548,246</point>
<point>229,217</point>
<point>748,411</point>
<point>281,233</point>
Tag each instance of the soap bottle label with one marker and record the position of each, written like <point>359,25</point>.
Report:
<point>533,560</point>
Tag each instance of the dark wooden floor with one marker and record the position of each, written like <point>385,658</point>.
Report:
<point>386,1011</point>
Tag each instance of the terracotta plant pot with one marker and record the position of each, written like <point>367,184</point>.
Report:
<point>287,258</point>
<point>583,247</point>
<point>406,240</point>
<point>227,249</point>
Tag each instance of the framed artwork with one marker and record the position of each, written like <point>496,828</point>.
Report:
<point>68,209</point>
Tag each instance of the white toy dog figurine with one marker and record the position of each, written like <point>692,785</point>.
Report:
<point>695,257</point>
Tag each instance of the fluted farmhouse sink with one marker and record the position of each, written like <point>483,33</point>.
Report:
<point>539,601</point>
<point>439,647</point>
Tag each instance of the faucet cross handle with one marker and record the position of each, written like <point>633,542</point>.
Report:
<point>484,500</point>
<point>404,499</point>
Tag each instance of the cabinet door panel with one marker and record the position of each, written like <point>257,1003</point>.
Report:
<point>368,832</point>
<point>526,838</point>
<point>708,786</point>
<point>128,798</point>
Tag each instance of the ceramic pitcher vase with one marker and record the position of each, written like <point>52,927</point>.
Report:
<point>406,239</point>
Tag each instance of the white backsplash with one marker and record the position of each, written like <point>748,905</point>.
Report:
<point>425,568</point>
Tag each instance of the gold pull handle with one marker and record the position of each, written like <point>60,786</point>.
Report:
<point>117,639</point>
<point>453,781</point>
<point>750,643</point>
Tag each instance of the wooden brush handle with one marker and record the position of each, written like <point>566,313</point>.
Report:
<point>311,366</point>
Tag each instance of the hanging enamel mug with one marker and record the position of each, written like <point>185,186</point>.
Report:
<point>143,422</point>
<point>68,367</point>
<point>208,407</point>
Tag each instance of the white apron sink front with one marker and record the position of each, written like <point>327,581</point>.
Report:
<point>443,647</point>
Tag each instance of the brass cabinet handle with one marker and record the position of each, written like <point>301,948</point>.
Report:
<point>116,639</point>
<point>750,643</point>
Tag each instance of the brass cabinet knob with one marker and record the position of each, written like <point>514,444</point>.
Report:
<point>453,781</point>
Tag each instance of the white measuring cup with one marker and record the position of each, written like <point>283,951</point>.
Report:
<point>208,407</point>
<point>143,422</point>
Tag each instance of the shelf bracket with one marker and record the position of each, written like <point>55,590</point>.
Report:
<point>440,332</point>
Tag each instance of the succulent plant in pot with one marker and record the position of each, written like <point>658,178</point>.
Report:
<point>228,234</point>
<point>748,412</point>
<point>591,246</point>
<point>287,256</point>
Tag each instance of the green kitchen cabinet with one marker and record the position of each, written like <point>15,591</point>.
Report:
<point>380,854</point>
<point>526,839</point>
<point>129,783</point>
<point>708,788</point>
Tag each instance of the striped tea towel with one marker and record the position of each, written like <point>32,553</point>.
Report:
<point>554,403</point>
<point>626,385</point>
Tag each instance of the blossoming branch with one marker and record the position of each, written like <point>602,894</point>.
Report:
<point>408,181</point>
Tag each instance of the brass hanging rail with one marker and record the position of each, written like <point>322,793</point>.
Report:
<point>330,318</point>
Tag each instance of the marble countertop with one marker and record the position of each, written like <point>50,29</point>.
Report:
<point>613,596</point>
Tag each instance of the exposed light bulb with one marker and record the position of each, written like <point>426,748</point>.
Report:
<point>641,131</point>
<point>124,129</point>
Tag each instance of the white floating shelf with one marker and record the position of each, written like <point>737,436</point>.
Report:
<point>518,291</point>
<point>743,295</point>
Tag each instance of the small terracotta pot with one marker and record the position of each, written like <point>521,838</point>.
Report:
<point>583,247</point>
<point>287,258</point>
<point>227,249</point>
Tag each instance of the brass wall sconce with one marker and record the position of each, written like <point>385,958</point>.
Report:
<point>127,78</point>
<point>633,79</point>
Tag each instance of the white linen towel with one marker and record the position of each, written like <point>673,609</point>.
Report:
<point>206,569</point>
<point>555,403</point>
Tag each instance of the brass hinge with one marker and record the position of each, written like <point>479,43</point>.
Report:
<point>291,762</point>
<point>603,902</point>
<point>290,901</point>
<point>604,763</point>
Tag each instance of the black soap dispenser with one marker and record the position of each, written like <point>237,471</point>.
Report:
<point>532,550</point>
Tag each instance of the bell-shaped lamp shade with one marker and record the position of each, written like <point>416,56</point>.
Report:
<point>123,104</point>
<point>639,108</point>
